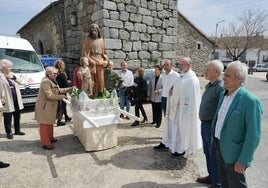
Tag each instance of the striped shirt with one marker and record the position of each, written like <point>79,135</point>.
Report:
<point>226,103</point>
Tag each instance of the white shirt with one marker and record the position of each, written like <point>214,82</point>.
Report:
<point>168,81</point>
<point>226,103</point>
<point>127,78</point>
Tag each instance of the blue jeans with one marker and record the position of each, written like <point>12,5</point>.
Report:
<point>164,104</point>
<point>210,153</point>
<point>123,100</point>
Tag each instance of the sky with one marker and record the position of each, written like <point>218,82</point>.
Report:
<point>204,14</point>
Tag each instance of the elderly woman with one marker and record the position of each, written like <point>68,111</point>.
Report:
<point>12,97</point>
<point>2,103</point>
<point>47,104</point>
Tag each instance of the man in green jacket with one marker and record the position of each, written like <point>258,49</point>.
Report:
<point>236,127</point>
<point>111,77</point>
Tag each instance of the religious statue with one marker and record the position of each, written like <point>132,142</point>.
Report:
<point>85,75</point>
<point>94,50</point>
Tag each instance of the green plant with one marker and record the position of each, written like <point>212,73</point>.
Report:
<point>154,59</point>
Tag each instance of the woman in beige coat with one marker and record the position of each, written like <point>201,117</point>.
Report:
<point>12,97</point>
<point>47,104</point>
<point>2,103</point>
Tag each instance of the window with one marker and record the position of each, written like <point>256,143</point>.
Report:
<point>228,55</point>
<point>265,58</point>
<point>199,45</point>
<point>23,60</point>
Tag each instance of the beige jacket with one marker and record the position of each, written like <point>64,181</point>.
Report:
<point>47,101</point>
<point>7,95</point>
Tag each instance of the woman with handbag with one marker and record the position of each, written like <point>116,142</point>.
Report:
<point>63,82</point>
<point>140,93</point>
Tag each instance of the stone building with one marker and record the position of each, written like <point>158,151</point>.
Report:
<point>142,31</point>
<point>193,43</point>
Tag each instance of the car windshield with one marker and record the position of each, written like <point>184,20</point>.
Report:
<point>23,60</point>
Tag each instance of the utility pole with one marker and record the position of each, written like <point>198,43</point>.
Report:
<point>215,41</point>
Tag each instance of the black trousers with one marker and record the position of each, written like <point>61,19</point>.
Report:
<point>62,110</point>
<point>139,106</point>
<point>63,106</point>
<point>228,177</point>
<point>157,112</point>
<point>8,119</point>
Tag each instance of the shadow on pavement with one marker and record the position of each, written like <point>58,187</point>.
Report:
<point>144,158</point>
<point>66,145</point>
<point>130,140</point>
<point>156,185</point>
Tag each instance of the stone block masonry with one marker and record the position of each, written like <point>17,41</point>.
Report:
<point>137,30</point>
<point>145,32</point>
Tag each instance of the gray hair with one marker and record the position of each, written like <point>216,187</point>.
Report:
<point>51,70</point>
<point>216,64</point>
<point>187,60</point>
<point>5,63</point>
<point>241,70</point>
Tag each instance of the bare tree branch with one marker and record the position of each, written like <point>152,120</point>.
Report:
<point>243,33</point>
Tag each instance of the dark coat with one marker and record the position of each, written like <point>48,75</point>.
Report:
<point>141,88</point>
<point>62,80</point>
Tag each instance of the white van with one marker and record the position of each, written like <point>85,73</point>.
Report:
<point>26,65</point>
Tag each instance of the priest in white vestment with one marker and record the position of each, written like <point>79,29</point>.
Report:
<point>169,78</point>
<point>182,131</point>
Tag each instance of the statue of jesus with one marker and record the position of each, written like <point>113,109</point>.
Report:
<point>94,50</point>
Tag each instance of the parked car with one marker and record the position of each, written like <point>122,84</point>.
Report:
<point>49,59</point>
<point>260,68</point>
<point>148,74</point>
<point>26,66</point>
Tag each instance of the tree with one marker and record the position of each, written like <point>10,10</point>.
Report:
<point>245,32</point>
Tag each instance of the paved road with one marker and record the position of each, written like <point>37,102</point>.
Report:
<point>133,163</point>
<point>258,173</point>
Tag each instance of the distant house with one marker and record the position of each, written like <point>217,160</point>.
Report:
<point>255,54</point>
<point>143,32</point>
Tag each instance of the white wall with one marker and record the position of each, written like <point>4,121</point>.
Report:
<point>251,55</point>
<point>262,53</point>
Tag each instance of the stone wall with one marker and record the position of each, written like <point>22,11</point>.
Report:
<point>193,43</point>
<point>45,30</point>
<point>144,32</point>
<point>139,30</point>
<point>75,35</point>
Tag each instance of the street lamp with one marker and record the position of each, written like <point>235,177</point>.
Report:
<point>217,24</point>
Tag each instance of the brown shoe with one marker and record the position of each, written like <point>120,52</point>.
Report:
<point>127,118</point>
<point>48,147</point>
<point>54,140</point>
<point>204,180</point>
